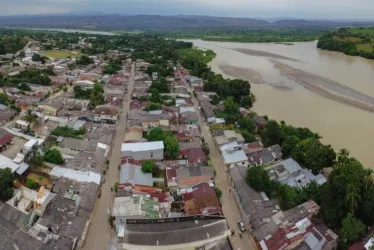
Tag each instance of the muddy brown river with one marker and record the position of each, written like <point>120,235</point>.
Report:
<point>328,92</point>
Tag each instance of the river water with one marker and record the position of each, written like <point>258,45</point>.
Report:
<point>340,124</point>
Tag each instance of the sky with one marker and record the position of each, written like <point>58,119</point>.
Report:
<point>321,9</point>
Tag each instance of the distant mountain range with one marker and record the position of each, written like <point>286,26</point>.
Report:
<point>158,22</point>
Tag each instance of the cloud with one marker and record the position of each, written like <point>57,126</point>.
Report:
<point>245,8</point>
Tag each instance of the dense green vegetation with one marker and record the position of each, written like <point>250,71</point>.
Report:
<point>149,167</point>
<point>11,43</point>
<point>30,75</point>
<point>350,41</point>
<point>6,184</point>
<point>171,144</point>
<point>84,60</point>
<point>95,95</point>
<point>113,66</point>
<point>200,55</point>
<point>249,35</point>
<point>53,156</point>
<point>69,132</point>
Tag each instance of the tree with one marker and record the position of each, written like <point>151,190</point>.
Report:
<point>368,205</point>
<point>288,197</point>
<point>289,144</point>
<point>247,123</point>
<point>352,229</point>
<point>156,134</point>
<point>6,184</point>
<point>171,145</point>
<point>312,154</point>
<point>30,183</point>
<point>30,118</point>
<point>258,178</point>
<point>248,137</point>
<point>24,86</point>
<point>38,58</point>
<point>231,109</point>
<point>84,60</point>
<point>97,95</point>
<point>4,99</point>
<point>53,156</point>
<point>369,179</point>
<point>218,192</point>
<point>272,133</point>
<point>149,167</point>
<point>352,198</point>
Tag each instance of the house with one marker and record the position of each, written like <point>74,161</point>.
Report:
<point>259,121</point>
<point>106,113</point>
<point>84,84</point>
<point>50,107</point>
<point>174,233</point>
<point>6,114</point>
<point>5,139</point>
<point>118,79</point>
<point>264,156</point>
<point>193,155</point>
<point>134,134</point>
<point>80,176</point>
<point>22,125</point>
<point>189,176</point>
<point>188,117</point>
<point>302,234</point>
<point>5,162</point>
<point>132,174</point>
<point>84,194</point>
<point>234,157</point>
<point>76,104</point>
<point>252,146</point>
<point>143,150</point>
<point>267,219</point>
<point>201,199</point>
<point>226,136</point>
<point>207,110</point>
<point>291,173</point>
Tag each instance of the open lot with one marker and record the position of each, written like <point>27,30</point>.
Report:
<point>14,148</point>
<point>58,54</point>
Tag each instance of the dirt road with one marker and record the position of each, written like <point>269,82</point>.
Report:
<point>98,235</point>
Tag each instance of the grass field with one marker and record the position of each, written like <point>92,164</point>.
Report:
<point>366,31</point>
<point>58,54</point>
<point>365,47</point>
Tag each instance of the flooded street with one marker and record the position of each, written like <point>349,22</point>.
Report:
<point>328,92</point>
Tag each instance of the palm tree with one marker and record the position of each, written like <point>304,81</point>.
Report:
<point>352,198</point>
<point>30,118</point>
<point>369,179</point>
<point>343,156</point>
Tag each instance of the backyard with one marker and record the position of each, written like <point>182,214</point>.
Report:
<point>59,54</point>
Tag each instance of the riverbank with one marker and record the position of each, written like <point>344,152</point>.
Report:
<point>252,52</point>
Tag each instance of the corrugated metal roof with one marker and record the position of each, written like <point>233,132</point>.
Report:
<point>142,146</point>
<point>76,175</point>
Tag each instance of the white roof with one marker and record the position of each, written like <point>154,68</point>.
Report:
<point>22,122</point>
<point>234,156</point>
<point>81,176</point>
<point>85,82</point>
<point>142,146</point>
<point>186,109</point>
<point>369,243</point>
<point>228,145</point>
<point>30,143</point>
<point>5,162</point>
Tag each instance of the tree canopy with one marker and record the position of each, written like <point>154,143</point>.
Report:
<point>53,156</point>
<point>6,184</point>
<point>171,144</point>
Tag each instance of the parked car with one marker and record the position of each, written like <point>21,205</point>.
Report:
<point>241,226</point>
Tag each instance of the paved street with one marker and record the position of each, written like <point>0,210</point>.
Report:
<point>99,232</point>
<point>229,206</point>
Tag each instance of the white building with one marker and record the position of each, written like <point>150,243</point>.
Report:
<point>143,150</point>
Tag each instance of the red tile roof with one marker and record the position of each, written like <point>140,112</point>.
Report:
<point>202,200</point>
<point>194,155</point>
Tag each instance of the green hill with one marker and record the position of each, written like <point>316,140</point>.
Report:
<point>350,41</point>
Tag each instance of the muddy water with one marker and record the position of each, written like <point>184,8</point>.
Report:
<point>341,125</point>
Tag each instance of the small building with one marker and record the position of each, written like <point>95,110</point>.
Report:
<point>234,157</point>
<point>134,134</point>
<point>84,84</point>
<point>264,156</point>
<point>259,121</point>
<point>77,104</point>
<point>132,174</point>
<point>143,150</point>
<point>6,114</point>
<point>50,107</point>
<point>106,113</point>
<point>22,125</point>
